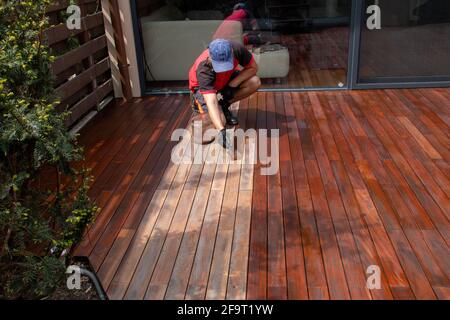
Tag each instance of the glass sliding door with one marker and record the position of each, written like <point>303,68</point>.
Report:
<point>316,36</point>
<point>297,43</point>
<point>412,44</point>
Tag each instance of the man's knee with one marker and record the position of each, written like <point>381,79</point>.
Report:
<point>254,83</point>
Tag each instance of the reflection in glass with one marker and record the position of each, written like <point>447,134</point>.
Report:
<point>297,43</point>
<point>413,42</point>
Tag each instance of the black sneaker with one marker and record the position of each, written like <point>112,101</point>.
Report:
<point>231,119</point>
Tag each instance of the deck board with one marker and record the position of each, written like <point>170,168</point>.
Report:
<point>363,180</point>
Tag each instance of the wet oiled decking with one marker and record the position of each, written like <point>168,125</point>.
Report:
<point>362,181</point>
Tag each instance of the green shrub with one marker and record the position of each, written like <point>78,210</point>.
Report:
<point>37,223</point>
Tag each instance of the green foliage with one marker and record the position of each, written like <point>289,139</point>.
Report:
<point>36,224</point>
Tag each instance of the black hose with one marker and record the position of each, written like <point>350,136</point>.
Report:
<point>101,293</point>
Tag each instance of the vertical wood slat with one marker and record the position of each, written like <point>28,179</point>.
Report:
<point>121,51</point>
<point>86,37</point>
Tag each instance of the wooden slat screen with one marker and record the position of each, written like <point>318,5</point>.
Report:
<point>82,67</point>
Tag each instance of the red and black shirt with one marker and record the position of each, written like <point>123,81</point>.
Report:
<point>202,76</point>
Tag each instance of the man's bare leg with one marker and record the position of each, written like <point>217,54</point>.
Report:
<point>247,88</point>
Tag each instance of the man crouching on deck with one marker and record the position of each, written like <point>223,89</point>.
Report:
<point>223,74</point>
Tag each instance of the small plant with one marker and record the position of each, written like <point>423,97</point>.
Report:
<point>44,206</point>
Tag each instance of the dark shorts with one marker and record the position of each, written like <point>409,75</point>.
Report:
<point>198,103</point>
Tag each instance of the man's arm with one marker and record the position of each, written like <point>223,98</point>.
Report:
<point>214,112</point>
<point>248,72</point>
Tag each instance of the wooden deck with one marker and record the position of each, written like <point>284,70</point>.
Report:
<point>363,181</point>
